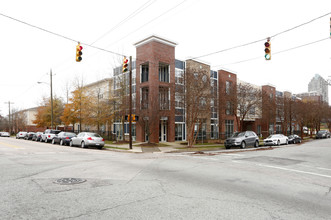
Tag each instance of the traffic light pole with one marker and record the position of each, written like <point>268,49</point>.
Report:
<point>51,85</point>
<point>130,104</point>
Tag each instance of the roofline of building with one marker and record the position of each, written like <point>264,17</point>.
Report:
<point>199,61</point>
<point>97,82</point>
<point>155,38</point>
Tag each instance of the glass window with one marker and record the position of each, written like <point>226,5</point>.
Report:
<point>164,98</point>
<point>144,98</point>
<point>228,87</point>
<point>228,109</point>
<point>164,72</point>
<point>228,128</point>
<point>144,72</point>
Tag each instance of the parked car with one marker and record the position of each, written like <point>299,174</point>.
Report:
<point>293,139</point>
<point>49,134</point>
<point>323,134</point>
<point>4,134</point>
<point>87,139</point>
<point>63,138</point>
<point>29,135</point>
<point>242,139</point>
<point>37,136</point>
<point>276,139</point>
<point>21,134</point>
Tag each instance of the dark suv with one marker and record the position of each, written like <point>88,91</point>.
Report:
<point>323,134</point>
<point>242,139</point>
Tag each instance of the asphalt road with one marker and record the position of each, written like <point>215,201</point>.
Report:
<point>291,182</point>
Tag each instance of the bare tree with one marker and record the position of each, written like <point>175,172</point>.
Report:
<point>300,114</point>
<point>197,101</point>
<point>248,101</point>
<point>3,124</point>
<point>18,121</point>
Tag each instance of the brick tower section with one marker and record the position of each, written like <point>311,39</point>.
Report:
<point>226,95</point>
<point>152,52</point>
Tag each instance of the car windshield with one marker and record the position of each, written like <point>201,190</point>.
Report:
<point>55,132</point>
<point>272,136</point>
<point>93,135</point>
<point>238,134</point>
<point>322,132</point>
<point>71,135</point>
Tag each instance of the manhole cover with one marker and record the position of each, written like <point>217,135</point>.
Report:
<point>69,181</point>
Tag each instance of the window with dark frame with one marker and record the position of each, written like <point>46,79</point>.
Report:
<point>144,98</point>
<point>164,98</point>
<point>144,72</point>
<point>164,72</point>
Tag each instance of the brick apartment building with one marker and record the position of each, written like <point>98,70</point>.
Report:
<point>157,75</point>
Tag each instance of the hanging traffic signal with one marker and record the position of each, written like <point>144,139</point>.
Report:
<point>125,65</point>
<point>267,50</point>
<point>79,52</point>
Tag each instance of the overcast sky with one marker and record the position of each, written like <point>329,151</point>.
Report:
<point>198,26</point>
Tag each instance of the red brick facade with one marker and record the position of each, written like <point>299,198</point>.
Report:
<point>153,51</point>
<point>224,97</point>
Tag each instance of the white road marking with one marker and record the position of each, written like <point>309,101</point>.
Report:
<point>322,168</point>
<point>293,170</point>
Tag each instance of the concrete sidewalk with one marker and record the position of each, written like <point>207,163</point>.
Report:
<point>137,148</point>
<point>173,148</point>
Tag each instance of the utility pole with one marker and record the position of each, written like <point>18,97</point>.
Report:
<point>9,123</point>
<point>51,85</point>
<point>130,104</point>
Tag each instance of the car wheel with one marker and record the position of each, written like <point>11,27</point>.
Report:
<point>278,143</point>
<point>53,141</point>
<point>82,144</point>
<point>100,148</point>
<point>227,147</point>
<point>243,145</point>
<point>61,142</point>
<point>286,142</point>
<point>256,144</point>
<point>294,142</point>
<point>71,144</point>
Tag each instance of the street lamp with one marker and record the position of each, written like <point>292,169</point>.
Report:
<point>51,86</point>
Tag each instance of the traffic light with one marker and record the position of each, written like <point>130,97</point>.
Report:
<point>79,52</point>
<point>267,50</point>
<point>125,65</point>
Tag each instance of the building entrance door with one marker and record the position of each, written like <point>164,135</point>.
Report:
<point>163,131</point>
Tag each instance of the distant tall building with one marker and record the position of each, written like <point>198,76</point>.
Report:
<point>320,86</point>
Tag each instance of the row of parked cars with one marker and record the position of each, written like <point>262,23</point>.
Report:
<point>83,139</point>
<point>249,138</point>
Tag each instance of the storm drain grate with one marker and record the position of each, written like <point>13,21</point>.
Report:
<point>69,181</point>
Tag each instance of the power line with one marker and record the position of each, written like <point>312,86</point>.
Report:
<point>152,20</point>
<point>256,41</point>
<point>300,25</point>
<point>140,9</point>
<point>282,51</point>
<point>59,35</point>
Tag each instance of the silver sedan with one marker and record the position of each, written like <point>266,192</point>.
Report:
<point>86,139</point>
